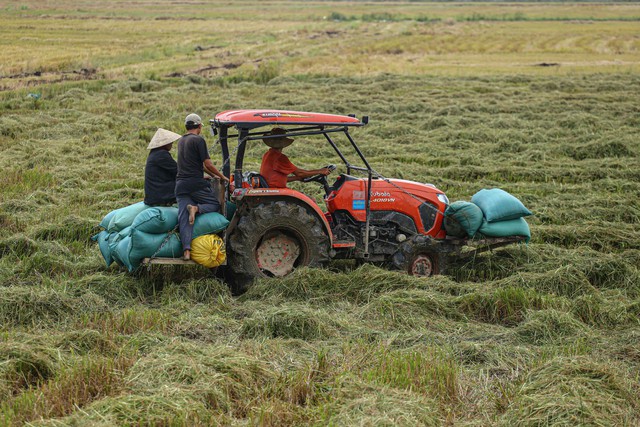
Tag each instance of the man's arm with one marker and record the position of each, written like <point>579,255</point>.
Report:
<point>300,174</point>
<point>212,171</point>
<point>207,164</point>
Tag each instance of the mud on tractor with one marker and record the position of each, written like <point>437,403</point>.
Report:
<point>368,217</point>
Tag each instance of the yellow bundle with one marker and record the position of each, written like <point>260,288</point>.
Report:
<point>208,250</point>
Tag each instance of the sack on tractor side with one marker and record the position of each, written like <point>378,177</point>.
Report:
<point>462,219</point>
<point>208,250</point>
<point>498,205</point>
<point>139,245</point>
<point>209,223</point>
<point>123,217</point>
<point>512,227</point>
<point>156,220</point>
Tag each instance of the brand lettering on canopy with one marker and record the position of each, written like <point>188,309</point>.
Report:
<point>278,114</point>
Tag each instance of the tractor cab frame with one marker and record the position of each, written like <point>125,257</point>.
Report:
<point>248,125</point>
<point>395,222</point>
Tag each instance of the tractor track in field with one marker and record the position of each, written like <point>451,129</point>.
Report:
<point>35,78</point>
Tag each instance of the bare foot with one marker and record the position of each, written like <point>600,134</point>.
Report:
<point>186,255</point>
<point>193,210</point>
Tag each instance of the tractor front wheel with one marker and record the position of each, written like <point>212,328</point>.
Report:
<point>419,256</point>
<point>272,240</point>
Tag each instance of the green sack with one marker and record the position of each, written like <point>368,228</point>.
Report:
<point>123,217</point>
<point>498,205</point>
<point>208,223</point>
<point>116,236</point>
<point>103,243</point>
<point>156,220</point>
<point>114,239</point>
<point>145,245</point>
<point>453,227</point>
<point>107,219</point>
<point>512,227</point>
<point>120,251</point>
<point>463,219</point>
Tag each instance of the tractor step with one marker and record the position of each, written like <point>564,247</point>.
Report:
<point>488,244</point>
<point>171,261</point>
<point>168,261</point>
<point>341,244</point>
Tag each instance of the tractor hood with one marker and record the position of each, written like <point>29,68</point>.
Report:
<point>424,191</point>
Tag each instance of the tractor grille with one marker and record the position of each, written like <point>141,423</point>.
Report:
<point>428,215</point>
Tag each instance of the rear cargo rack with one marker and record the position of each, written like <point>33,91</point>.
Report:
<point>168,261</point>
<point>484,244</point>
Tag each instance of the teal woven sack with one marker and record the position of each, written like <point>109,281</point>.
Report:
<point>114,239</point>
<point>116,236</point>
<point>103,243</point>
<point>145,245</point>
<point>107,219</point>
<point>512,227</point>
<point>156,220</point>
<point>123,217</point>
<point>208,223</point>
<point>463,219</point>
<point>498,205</point>
<point>121,250</point>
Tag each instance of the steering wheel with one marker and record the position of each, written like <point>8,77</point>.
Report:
<point>320,178</point>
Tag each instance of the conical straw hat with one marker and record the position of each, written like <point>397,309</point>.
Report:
<point>162,137</point>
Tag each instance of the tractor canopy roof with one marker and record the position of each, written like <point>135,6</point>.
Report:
<point>250,119</point>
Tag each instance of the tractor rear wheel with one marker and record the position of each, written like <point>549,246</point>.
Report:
<point>419,256</point>
<point>272,240</point>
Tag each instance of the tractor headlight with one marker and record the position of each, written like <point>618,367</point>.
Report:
<point>443,198</point>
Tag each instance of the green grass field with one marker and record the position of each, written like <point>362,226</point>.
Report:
<point>537,335</point>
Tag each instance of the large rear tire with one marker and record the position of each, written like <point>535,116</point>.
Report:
<point>272,240</point>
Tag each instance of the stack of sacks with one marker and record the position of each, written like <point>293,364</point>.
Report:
<point>492,213</point>
<point>503,214</point>
<point>116,227</point>
<point>148,233</point>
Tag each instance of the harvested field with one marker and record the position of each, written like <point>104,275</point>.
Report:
<point>540,334</point>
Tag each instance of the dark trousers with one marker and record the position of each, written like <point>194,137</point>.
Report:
<point>206,201</point>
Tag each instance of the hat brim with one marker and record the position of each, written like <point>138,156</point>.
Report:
<point>162,137</point>
<point>278,142</point>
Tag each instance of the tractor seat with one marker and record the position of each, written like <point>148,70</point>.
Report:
<point>256,180</point>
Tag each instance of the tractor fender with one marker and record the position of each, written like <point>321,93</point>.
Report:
<point>261,195</point>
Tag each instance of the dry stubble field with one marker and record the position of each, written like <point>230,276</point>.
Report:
<point>543,334</point>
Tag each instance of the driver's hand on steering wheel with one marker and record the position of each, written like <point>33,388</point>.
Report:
<point>325,171</point>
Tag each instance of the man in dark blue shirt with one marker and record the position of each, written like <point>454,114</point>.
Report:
<point>193,191</point>
<point>160,171</point>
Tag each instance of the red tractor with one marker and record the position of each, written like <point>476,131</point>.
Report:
<point>369,218</point>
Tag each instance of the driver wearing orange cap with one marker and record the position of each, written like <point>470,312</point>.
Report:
<point>276,167</point>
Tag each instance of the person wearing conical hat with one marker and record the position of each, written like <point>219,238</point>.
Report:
<point>276,168</point>
<point>160,171</point>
